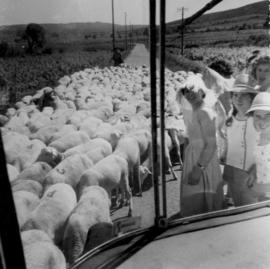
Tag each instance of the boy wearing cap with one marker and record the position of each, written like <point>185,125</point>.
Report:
<point>259,180</point>
<point>240,140</point>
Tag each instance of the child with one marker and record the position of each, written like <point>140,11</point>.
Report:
<point>240,139</point>
<point>259,180</point>
<point>260,70</point>
<point>201,183</point>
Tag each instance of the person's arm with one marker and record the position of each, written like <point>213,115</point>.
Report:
<point>208,130</point>
<point>213,80</point>
<point>252,175</point>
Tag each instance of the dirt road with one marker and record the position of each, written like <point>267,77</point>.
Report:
<point>144,206</point>
<point>139,56</point>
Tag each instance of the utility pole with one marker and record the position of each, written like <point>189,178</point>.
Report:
<point>182,29</point>
<point>113,37</point>
<point>126,28</point>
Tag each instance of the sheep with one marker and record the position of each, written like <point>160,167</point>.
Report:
<point>65,129</point>
<point>25,202</point>
<point>50,156</point>
<point>37,121</point>
<point>45,133</point>
<point>52,212</point>
<point>109,173</point>
<point>40,252</point>
<point>97,235</point>
<point>69,141</point>
<point>36,171</point>
<point>69,170</point>
<point>93,207</point>
<point>16,124</point>
<point>92,144</point>
<point>108,132</point>
<point>29,155</point>
<point>12,172</point>
<point>27,185</point>
<point>89,125</point>
<point>20,151</point>
<point>135,148</point>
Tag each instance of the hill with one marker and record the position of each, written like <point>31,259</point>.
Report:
<point>66,32</point>
<point>247,25</point>
<point>256,12</point>
<point>230,26</point>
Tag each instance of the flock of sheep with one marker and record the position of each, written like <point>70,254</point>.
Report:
<point>69,148</point>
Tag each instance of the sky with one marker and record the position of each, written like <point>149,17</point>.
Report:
<point>64,11</point>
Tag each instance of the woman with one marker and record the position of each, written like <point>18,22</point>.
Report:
<point>201,184</point>
<point>259,179</point>
<point>260,70</point>
<point>241,138</point>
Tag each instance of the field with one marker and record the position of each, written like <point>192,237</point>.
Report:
<point>25,74</point>
<point>235,56</point>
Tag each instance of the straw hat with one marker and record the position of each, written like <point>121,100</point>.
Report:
<point>244,83</point>
<point>261,102</point>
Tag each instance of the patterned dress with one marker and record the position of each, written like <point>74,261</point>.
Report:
<point>207,195</point>
<point>261,188</point>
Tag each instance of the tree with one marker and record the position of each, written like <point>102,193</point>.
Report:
<point>3,48</point>
<point>145,32</point>
<point>35,36</point>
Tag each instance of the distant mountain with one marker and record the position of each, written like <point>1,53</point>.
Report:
<point>66,31</point>
<point>252,13</point>
<point>252,16</point>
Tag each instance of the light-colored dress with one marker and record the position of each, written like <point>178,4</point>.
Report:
<point>241,138</point>
<point>207,195</point>
<point>262,159</point>
<point>261,188</point>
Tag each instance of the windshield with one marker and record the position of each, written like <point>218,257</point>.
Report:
<point>119,117</point>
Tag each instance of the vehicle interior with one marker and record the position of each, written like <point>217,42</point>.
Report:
<point>157,235</point>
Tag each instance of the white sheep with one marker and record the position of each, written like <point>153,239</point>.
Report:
<point>52,212</point>
<point>40,252</point>
<point>70,140</point>
<point>69,170</point>
<point>93,207</point>
<point>109,173</point>
<point>25,202</point>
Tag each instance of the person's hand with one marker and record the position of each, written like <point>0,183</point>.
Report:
<point>195,175</point>
<point>251,180</point>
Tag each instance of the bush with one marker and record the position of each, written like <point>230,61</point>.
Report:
<point>61,50</point>
<point>258,40</point>
<point>47,51</point>
<point>3,48</point>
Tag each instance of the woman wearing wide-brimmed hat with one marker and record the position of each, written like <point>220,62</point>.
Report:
<point>240,141</point>
<point>259,181</point>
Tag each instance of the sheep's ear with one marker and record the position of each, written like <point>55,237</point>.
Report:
<point>117,133</point>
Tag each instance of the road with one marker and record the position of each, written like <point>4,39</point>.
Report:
<point>144,206</point>
<point>139,56</point>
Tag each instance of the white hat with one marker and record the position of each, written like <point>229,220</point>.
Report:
<point>261,102</point>
<point>244,84</point>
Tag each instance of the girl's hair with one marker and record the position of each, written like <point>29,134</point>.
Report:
<point>264,59</point>
<point>234,111</point>
<point>223,67</point>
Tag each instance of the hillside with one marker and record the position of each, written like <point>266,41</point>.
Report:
<point>212,28</point>
<point>247,25</point>
<point>257,11</point>
<point>66,32</point>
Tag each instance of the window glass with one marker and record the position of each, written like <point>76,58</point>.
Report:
<point>75,100</point>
